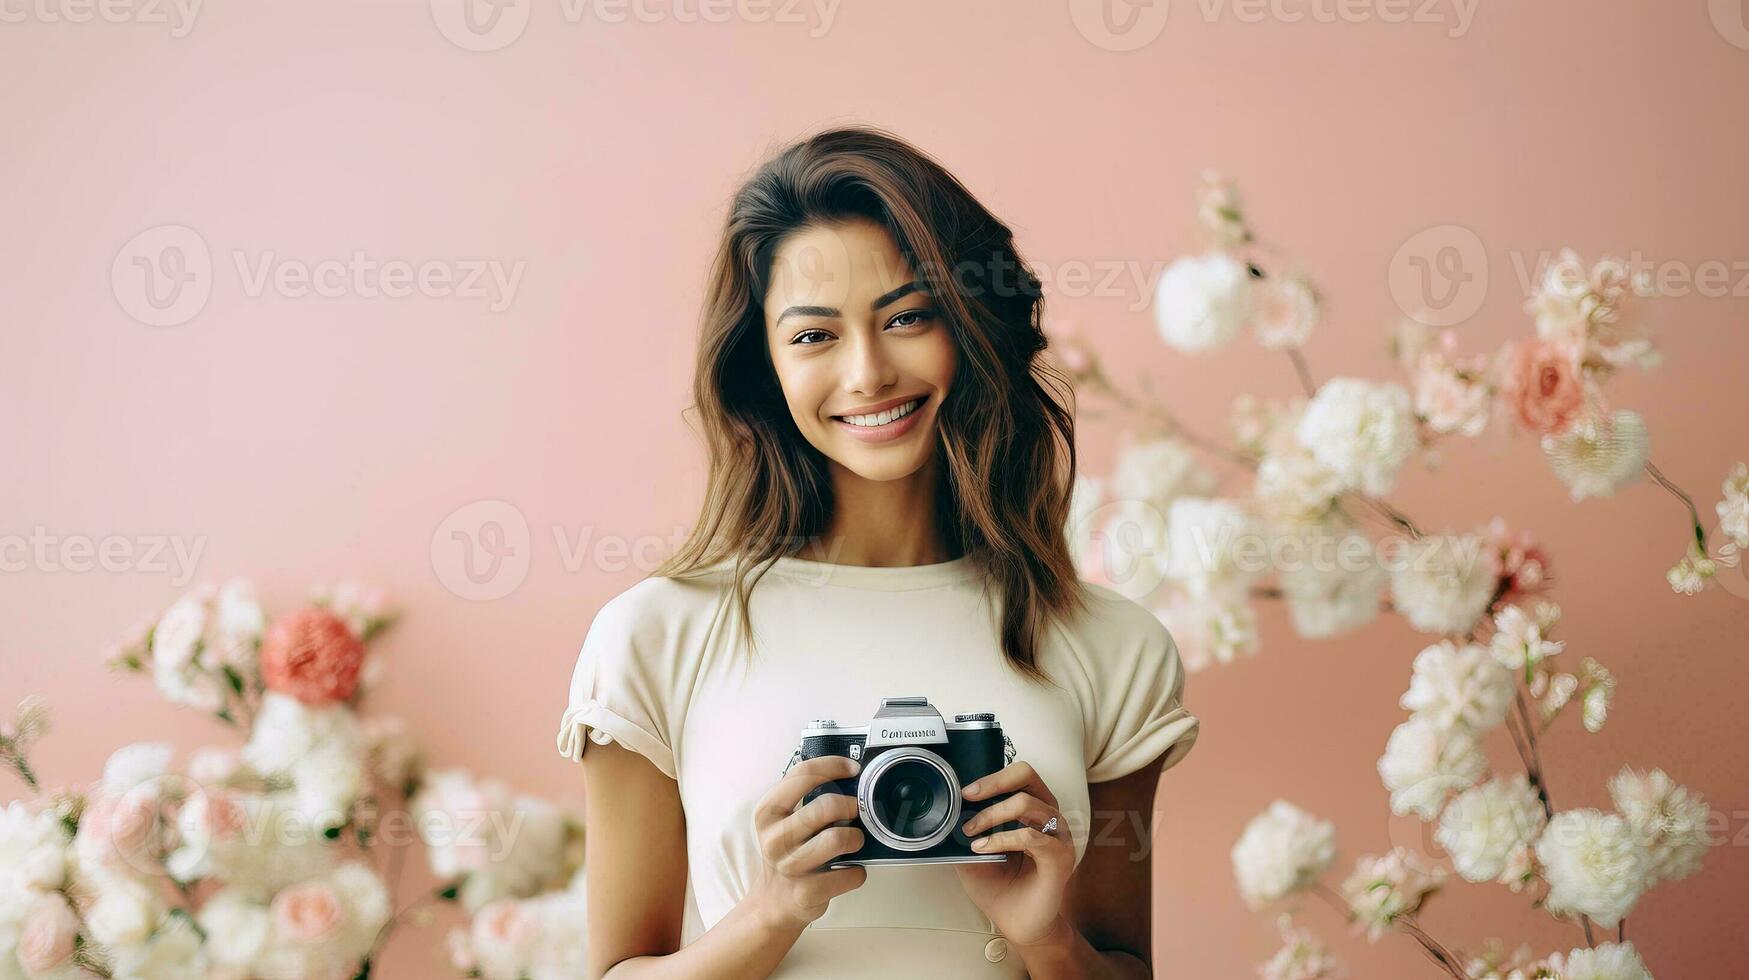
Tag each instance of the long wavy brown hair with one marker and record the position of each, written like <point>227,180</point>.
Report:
<point>1007,424</point>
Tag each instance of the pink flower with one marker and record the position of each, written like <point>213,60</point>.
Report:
<point>308,913</point>
<point>1524,565</point>
<point>118,829</point>
<point>46,941</point>
<point>1541,384</point>
<point>312,656</point>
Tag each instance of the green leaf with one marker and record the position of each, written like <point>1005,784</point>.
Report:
<point>235,679</point>
<point>449,894</point>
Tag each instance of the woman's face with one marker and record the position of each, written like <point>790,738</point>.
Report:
<point>862,355</point>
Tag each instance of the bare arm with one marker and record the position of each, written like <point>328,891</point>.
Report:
<point>636,854</point>
<point>1106,930</point>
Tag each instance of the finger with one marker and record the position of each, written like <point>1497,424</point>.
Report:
<point>1044,848</point>
<point>817,889</point>
<point>796,829</point>
<point>1019,775</point>
<point>1021,806</point>
<point>780,800</point>
<point>818,849</point>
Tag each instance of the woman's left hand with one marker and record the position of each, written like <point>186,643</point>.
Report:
<point>1023,896</point>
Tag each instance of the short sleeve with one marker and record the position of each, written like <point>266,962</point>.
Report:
<point>1137,712</point>
<point>621,685</point>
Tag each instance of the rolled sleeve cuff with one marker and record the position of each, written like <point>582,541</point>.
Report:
<point>1172,733</point>
<point>574,735</point>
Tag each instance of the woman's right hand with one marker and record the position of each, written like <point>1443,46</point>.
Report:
<point>796,844</point>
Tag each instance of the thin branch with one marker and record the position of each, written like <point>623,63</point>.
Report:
<point>1693,513</point>
<point>1537,775</point>
<point>1304,370</point>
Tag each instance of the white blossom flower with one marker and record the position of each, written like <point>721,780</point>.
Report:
<point>178,668</point>
<point>1285,309</point>
<point>1485,827</point>
<point>1668,820</point>
<point>1452,395</point>
<point>1598,456</point>
<point>1734,509</point>
<point>1690,575</point>
<point>1210,629</point>
<point>1458,685</point>
<point>500,845</point>
<point>1597,686</point>
<point>1328,595</point>
<point>1158,472</point>
<point>1382,890</point>
<point>1282,851</point>
<point>1301,957</point>
<point>1218,211</point>
<point>1520,640</point>
<point>1203,301</point>
<point>172,952</point>
<point>1132,548</point>
<point>1595,313</point>
<point>319,748</point>
<point>125,912</point>
<point>1202,540</point>
<point>238,622</point>
<point>33,849</point>
<point>1364,431</point>
<point>1423,762</point>
<point>1608,961</point>
<point>1442,583</point>
<point>1495,963</point>
<point>1293,487</point>
<point>132,765</point>
<point>1593,864</point>
<point>325,926</point>
<point>237,926</point>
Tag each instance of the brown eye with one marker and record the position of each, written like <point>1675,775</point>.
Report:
<point>922,316</point>
<point>809,333</point>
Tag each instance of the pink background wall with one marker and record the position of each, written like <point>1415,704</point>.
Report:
<point>305,438</point>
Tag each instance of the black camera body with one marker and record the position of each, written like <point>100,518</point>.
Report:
<point>908,792</point>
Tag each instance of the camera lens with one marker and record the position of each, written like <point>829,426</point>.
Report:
<point>912,799</point>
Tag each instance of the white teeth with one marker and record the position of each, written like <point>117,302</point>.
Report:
<point>882,418</point>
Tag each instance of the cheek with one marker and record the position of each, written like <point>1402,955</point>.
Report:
<point>935,360</point>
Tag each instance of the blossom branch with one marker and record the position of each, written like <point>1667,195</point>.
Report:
<point>1693,513</point>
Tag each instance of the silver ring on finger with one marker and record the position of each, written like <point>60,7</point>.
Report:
<point>1050,826</point>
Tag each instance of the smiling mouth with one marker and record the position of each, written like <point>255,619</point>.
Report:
<point>879,419</point>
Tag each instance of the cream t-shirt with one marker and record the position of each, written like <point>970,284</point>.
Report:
<point>662,672</point>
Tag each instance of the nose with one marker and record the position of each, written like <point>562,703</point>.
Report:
<point>869,369</point>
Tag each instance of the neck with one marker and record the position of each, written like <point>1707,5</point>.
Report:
<point>882,523</point>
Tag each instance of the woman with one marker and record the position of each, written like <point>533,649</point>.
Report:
<point>888,489</point>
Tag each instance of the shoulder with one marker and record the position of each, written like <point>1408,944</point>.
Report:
<point>1113,623</point>
<point>662,600</point>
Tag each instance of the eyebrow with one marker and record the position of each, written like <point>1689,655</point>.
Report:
<point>879,301</point>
